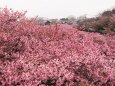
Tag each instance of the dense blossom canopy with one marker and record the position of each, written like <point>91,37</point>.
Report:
<point>53,55</point>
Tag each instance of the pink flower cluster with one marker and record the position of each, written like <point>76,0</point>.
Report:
<point>54,55</point>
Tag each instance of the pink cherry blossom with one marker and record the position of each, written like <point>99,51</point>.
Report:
<point>54,55</point>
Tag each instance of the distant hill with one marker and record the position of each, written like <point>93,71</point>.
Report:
<point>104,23</point>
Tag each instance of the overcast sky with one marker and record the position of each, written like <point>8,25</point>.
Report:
<point>59,8</point>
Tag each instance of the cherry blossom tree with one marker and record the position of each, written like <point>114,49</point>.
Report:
<point>55,55</point>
